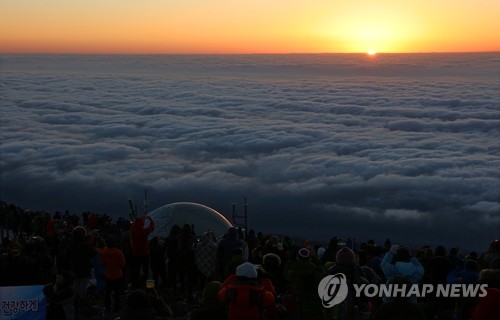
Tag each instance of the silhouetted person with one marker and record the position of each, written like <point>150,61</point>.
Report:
<point>225,250</point>
<point>400,308</point>
<point>172,250</point>
<point>304,276</point>
<point>141,306</point>
<point>158,261</point>
<point>331,251</point>
<point>187,265</point>
<point>437,270</point>
<point>60,297</point>
<point>211,307</point>
<point>79,253</point>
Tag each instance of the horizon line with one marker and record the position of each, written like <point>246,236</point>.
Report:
<point>234,54</point>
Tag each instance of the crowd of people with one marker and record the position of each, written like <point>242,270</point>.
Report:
<point>94,267</point>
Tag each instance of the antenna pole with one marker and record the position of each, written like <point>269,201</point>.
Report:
<point>245,214</point>
<point>132,213</point>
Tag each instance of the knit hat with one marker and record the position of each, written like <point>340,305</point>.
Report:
<point>303,254</point>
<point>271,260</point>
<point>246,270</point>
<point>345,256</point>
<point>471,265</point>
<point>274,240</point>
<point>209,298</point>
<point>79,233</point>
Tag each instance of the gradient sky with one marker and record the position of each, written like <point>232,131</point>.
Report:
<point>248,26</point>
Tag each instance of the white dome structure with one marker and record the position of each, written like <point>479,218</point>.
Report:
<point>202,217</point>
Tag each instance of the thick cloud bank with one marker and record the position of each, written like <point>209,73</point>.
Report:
<point>398,146</point>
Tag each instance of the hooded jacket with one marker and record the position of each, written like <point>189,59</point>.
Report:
<point>205,255</point>
<point>79,254</point>
<point>246,297</point>
<point>413,270</point>
<point>139,236</point>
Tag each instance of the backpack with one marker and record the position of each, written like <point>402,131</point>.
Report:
<point>246,297</point>
<point>351,307</point>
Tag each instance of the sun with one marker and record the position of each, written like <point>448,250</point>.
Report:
<point>372,52</point>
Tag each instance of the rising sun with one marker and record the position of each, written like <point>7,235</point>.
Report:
<point>372,52</point>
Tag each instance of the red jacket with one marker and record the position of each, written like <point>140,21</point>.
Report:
<point>246,300</point>
<point>487,307</point>
<point>139,236</point>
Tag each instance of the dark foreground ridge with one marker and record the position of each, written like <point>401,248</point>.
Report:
<point>93,268</point>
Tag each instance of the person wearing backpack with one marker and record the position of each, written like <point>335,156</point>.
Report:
<point>304,274</point>
<point>60,297</point>
<point>352,307</point>
<point>246,297</point>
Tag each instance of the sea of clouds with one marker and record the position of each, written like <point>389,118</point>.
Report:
<point>404,147</point>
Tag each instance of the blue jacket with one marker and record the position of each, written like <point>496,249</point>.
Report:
<point>413,270</point>
<point>463,275</point>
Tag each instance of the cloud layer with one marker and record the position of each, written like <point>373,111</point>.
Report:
<point>404,147</point>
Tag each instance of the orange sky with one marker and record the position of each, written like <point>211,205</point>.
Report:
<point>248,26</point>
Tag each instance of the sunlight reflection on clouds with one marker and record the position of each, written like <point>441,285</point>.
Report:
<point>405,149</point>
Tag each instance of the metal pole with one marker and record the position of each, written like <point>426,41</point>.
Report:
<point>245,213</point>
<point>132,212</point>
<point>234,213</point>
